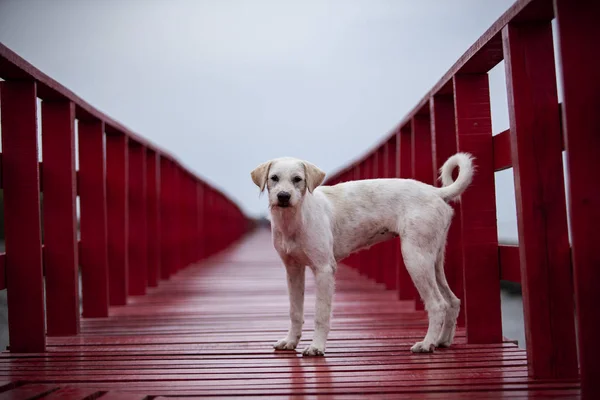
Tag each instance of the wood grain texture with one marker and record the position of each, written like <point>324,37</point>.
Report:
<point>26,318</point>
<point>443,142</point>
<point>153,227</point>
<point>117,191</point>
<point>191,337</point>
<point>93,224</point>
<point>536,145</point>
<point>137,233</point>
<point>60,218</point>
<point>478,211</point>
<point>406,289</point>
<point>578,36</point>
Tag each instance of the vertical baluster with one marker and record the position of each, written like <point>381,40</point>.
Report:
<point>176,219</point>
<point>200,225</point>
<point>536,145</point>
<point>21,184</point>
<point>117,215</point>
<point>153,216</point>
<point>393,246</point>
<point>478,210</point>
<point>60,218</point>
<point>138,254</point>
<point>93,224</point>
<point>200,240</point>
<point>421,163</point>
<point>166,209</point>
<point>406,288</point>
<point>443,141</point>
<point>578,38</point>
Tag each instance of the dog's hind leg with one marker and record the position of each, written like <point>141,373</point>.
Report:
<point>295,280</point>
<point>419,261</point>
<point>449,328</point>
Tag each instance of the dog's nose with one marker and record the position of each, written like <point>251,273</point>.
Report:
<point>283,197</point>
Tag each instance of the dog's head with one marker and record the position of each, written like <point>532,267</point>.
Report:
<point>287,180</point>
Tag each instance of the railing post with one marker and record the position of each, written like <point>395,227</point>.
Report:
<point>443,141</point>
<point>93,224</point>
<point>421,160</point>
<point>138,253</point>
<point>201,253</point>
<point>406,288</point>
<point>166,210</point>
<point>578,38</point>
<point>539,189</point>
<point>20,176</point>
<point>195,222</point>
<point>393,245</point>
<point>478,210</point>
<point>153,216</point>
<point>60,218</point>
<point>117,190</point>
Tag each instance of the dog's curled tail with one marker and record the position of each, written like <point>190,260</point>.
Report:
<point>451,190</point>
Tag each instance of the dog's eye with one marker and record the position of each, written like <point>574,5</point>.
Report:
<point>297,179</point>
<point>275,178</point>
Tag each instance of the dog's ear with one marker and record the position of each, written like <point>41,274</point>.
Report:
<point>259,175</point>
<point>314,176</point>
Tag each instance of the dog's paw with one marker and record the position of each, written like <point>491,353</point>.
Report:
<point>423,347</point>
<point>444,343</point>
<point>286,344</point>
<point>313,350</point>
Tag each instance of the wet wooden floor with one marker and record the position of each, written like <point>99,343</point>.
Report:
<point>209,331</point>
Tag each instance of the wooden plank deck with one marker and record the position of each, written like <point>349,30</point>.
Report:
<point>209,331</point>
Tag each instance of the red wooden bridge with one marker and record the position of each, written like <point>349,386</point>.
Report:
<point>163,287</point>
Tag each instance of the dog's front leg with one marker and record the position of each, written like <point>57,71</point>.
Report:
<point>295,279</point>
<point>325,286</point>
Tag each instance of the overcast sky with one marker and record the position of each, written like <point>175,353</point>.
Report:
<point>227,84</point>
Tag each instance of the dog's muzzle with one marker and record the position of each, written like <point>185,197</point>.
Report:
<point>283,199</point>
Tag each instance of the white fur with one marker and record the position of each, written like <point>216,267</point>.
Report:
<point>324,224</point>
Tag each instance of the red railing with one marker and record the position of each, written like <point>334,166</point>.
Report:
<point>143,216</point>
<point>455,116</point>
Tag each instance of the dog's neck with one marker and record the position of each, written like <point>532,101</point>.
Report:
<point>290,220</point>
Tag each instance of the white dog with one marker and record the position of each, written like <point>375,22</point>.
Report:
<point>318,226</point>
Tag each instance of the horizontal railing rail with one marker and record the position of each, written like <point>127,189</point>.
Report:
<point>143,215</point>
<point>556,276</point>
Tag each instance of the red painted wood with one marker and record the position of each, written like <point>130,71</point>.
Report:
<point>406,289</point>
<point>377,251</point>
<point>478,211</point>
<point>510,265</point>
<point>421,150</point>
<point>200,242</point>
<point>22,229</point>
<point>137,239</point>
<point>540,199</point>
<point>578,36</point>
<point>166,209</point>
<point>421,158</point>
<point>175,219</point>
<point>60,219</point>
<point>117,190</point>
<point>392,246</point>
<point>502,152</point>
<point>93,204</point>
<point>73,393</point>
<point>153,230</point>
<point>366,259</point>
<point>28,392</point>
<point>443,140</point>
<point>186,339</point>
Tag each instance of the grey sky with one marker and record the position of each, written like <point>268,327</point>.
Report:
<point>227,84</point>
